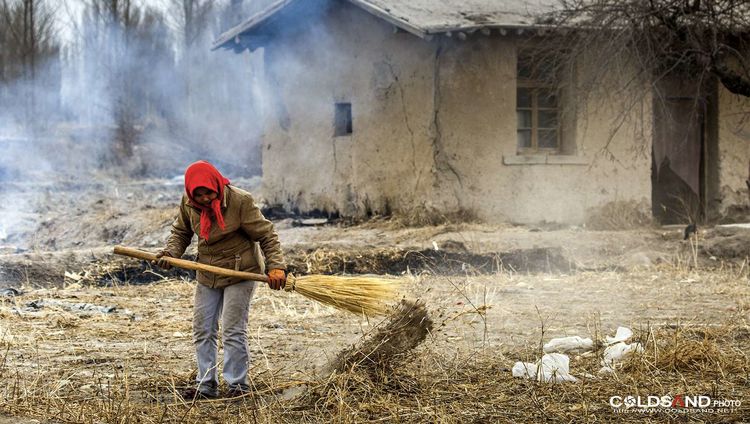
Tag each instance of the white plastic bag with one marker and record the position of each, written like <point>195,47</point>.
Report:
<point>525,370</point>
<point>617,351</point>
<point>623,334</point>
<point>555,367</point>
<point>569,344</point>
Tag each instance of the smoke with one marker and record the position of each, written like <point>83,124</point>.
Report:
<point>125,90</point>
<point>130,92</point>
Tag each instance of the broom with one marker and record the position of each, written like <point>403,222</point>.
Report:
<point>358,294</point>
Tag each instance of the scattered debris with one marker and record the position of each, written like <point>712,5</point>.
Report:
<point>569,344</point>
<point>75,276</point>
<point>10,292</point>
<point>617,349</point>
<point>622,334</point>
<point>309,222</point>
<point>278,212</point>
<point>454,246</point>
<point>553,367</point>
<point>72,307</point>
<point>726,242</point>
<point>395,261</point>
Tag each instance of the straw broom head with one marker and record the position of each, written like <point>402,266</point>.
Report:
<point>366,295</point>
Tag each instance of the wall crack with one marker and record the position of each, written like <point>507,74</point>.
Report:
<point>405,111</point>
<point>441,161</point>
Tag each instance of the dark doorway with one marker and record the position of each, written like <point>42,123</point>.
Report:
<point>679,154</point>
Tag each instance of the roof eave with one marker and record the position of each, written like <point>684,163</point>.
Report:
<point>398,22</point>
<point>232,35</point>
<point>495,26</point>
<point>233,38</point>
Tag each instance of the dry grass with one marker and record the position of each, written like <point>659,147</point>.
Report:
<point>619,215</point>
<point>430,215</point>
<point>102,368</point>
<point>333,261</point>
<point>428,387</point>
<point>389,344</point>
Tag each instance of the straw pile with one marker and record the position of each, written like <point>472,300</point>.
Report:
<point>384,347</point>
<point>362,295</point>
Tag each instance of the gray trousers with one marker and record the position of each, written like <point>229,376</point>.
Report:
<point>230,304</point>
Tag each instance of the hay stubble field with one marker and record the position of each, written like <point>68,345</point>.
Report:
<point>111,340</point>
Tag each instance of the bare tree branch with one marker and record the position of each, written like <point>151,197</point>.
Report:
<point>689,36</point>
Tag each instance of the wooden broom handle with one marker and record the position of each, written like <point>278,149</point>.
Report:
<point>185,264</point>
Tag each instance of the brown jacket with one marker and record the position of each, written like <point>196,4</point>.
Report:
<point>233,247</point>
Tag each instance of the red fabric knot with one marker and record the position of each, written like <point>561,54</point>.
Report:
<point>203,174</point>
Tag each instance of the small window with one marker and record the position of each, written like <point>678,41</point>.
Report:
<point>342,123</point>
<point>536,110</point>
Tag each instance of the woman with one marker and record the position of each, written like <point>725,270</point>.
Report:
<point>228,224</point>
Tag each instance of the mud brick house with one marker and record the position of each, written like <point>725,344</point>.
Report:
<point>374,106</point>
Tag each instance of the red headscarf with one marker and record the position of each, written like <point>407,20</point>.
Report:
<point>203,174</point>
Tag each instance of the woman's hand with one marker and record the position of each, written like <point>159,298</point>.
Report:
<point>276,279</point>
<point>161,261</point>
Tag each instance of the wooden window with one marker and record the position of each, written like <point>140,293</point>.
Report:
<point>342,121</point>
<point>538,128</point>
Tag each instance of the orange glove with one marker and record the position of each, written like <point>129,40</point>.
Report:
<point>276,279</point>
<point>161,262</point>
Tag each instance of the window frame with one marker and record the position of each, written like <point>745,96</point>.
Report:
<point>535,86</point>
<point>343,119</point>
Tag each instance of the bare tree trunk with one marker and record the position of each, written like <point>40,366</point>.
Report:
<point>30,28</point>
<point>27,32</point>
<point>190,19</point>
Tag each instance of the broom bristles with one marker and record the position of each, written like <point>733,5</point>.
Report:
<point>365,295</point>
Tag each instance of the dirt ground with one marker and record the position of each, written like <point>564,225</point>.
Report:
<point>115,324</point>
